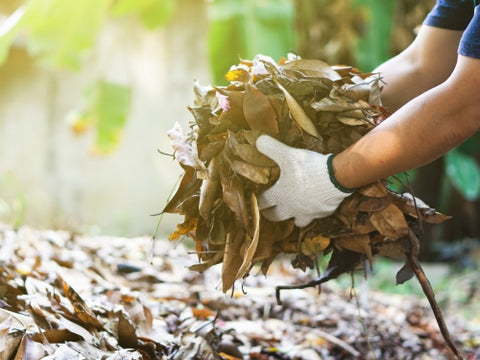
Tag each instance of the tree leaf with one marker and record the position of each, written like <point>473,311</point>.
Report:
<point>189,224</point>
<point>357,243</point>
<point>464,173</point>
<point>188,186</point>
<point>232,258</point>
<point>368,203</point>
<point>158,13</point>
<point>298,113</point>
<point>153,13</point>
<point>258,111</point>
<point>245,28</point>
<point>270,233</point>
<point>234,197</point>
<point>404,274</point>
<point>210,187</point>
<point>251,246</point>
<point>418,209</point>
<point>83,312</point>
<point>108,107</point>
<point>60,32</point>
<point>312,68</point>
<point>390,222</point>
<point>257,174</point>
<point>250,154</point>
<point>313,245</point>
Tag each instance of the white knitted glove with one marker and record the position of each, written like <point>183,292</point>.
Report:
<point>304,190</point>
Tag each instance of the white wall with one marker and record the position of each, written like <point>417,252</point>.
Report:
<point>54,173</point>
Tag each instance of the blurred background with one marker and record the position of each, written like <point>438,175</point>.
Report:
<point>88,90</point>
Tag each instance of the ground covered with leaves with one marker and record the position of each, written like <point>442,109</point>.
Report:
<point>67,296</point>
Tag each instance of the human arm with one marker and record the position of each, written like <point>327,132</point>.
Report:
<point>428,125</point>
<point>427,62</point>
<point>419,132</point>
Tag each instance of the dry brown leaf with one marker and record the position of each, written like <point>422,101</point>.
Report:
<point>367,203</point>
<point>314,245</point>
<point>83,312</point>
<point>298,113</point>
<point>311,68</point>
<point>234,197</point>
<point>252,245</point>
<point>258,111</point>
<point>376,189</point>
<point>210,188</point>
<point>395,249</point>
<point>232,259</point>
<point>251,155</point>
<point>390,222</point>
<point>357,243</point>
<point>418,209</point>
<point>188,186</point>
<point>257,174</point>
<point>362,224</point>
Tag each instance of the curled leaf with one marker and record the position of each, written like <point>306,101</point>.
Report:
<point>298,113</point>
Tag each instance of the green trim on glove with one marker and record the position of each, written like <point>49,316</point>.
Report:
<point>334,181</point>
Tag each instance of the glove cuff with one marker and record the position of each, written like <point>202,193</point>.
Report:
<point>333,179</point>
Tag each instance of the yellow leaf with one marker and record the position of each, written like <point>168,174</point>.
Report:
<point>184,228</point>
<point>237,74</point>
<point>315,244</point>
<point>80,124</point>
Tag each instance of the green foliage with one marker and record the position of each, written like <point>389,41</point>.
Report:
<point>401,182</point>
<point>464,173</point>
<point>244,28</point>
<point>152,13</point>
<point>374,47</point>
<point>108,105</point>
<point>58,33</point>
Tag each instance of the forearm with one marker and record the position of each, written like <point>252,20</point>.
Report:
<point>418,68</point>
<point>417,133</point>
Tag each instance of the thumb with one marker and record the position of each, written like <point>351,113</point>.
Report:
<point>271,147</point>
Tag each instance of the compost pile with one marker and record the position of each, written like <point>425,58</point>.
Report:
<point>304,103</point>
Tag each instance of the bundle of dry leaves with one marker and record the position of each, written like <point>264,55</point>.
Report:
<point>306,104</point>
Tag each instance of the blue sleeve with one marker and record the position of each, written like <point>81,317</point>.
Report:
<point>470,41</point>
<point>450,14</point>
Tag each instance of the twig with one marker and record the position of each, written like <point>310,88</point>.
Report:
<point>412,258</point>
<point>364,326</point>
<point>339,342</point>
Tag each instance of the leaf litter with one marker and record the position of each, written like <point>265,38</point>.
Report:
<point>308,104</point>
<point>69,296</point>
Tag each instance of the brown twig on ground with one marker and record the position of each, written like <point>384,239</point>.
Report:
<point>412,259</point>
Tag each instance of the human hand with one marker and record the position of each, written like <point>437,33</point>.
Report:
<point>304,190</point>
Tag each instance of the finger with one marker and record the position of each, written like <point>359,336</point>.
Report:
<point>266,199</point>
<point>274,149</point>
<point>275,214</point>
